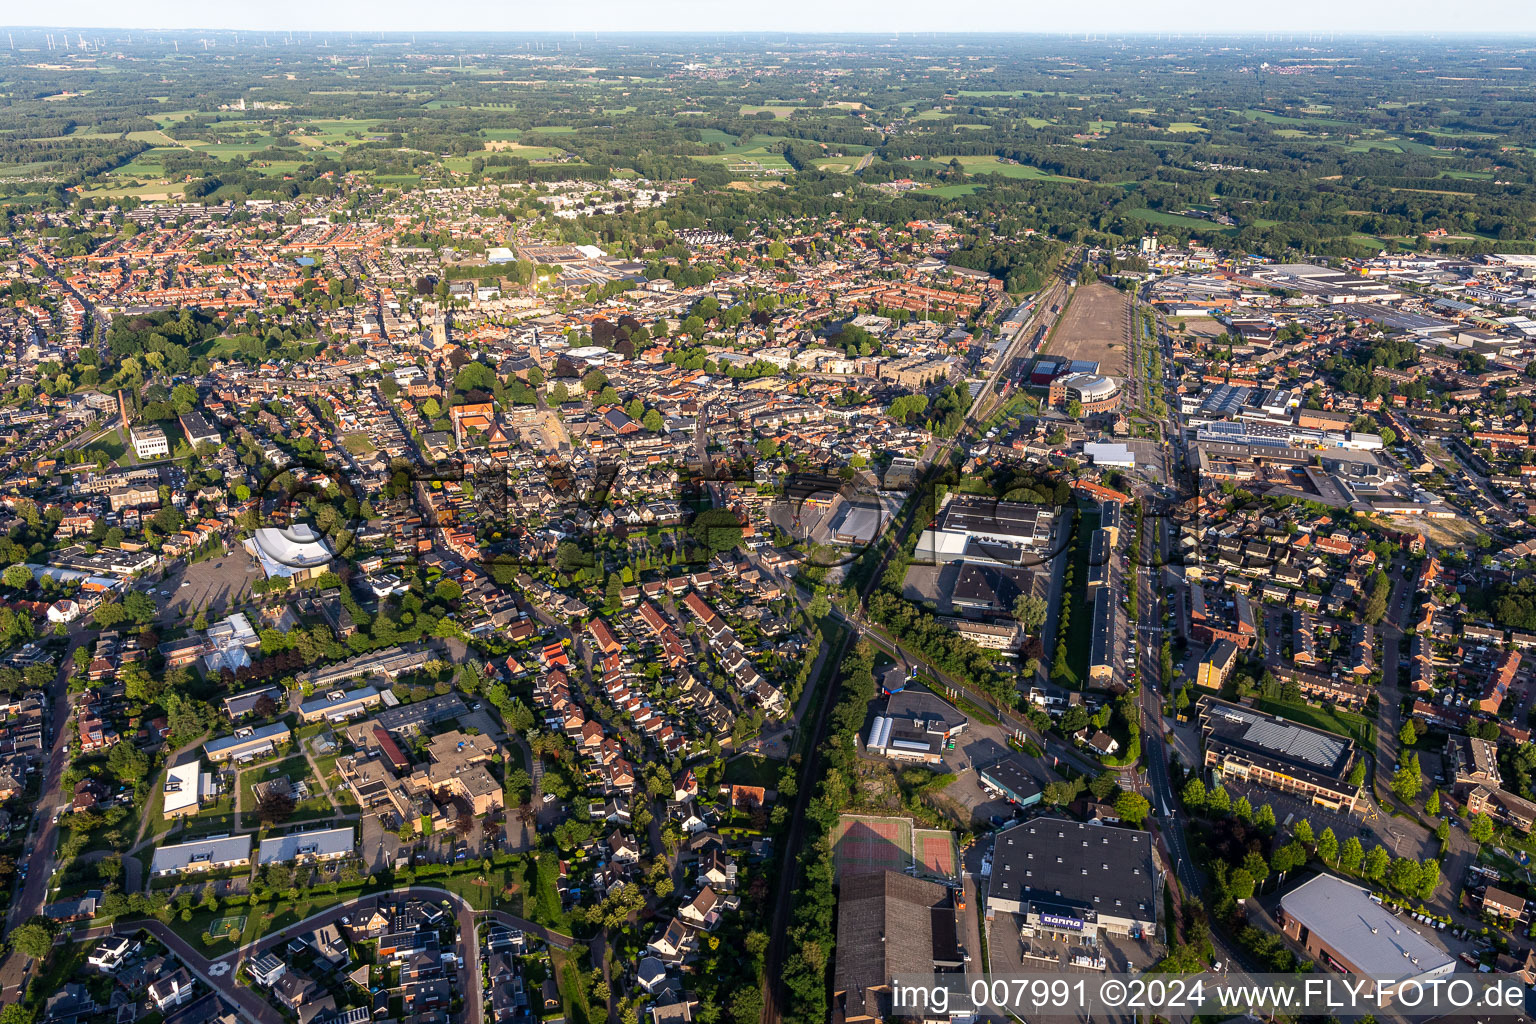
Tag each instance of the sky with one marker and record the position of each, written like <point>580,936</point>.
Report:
<point>1112,17</point>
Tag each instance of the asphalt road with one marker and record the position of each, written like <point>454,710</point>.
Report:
<point>43,840</point>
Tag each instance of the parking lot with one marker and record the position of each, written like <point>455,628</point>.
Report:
<point>978,746</point>
<point>1005,952</point>
<point>214,585</point>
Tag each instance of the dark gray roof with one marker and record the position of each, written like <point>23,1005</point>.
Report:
<point>1076,869</point>
<point>993,587</point>
<point>1012,776</point>
<point>935,714</point>
<point>1003,520</point>
<point>1103,644</point>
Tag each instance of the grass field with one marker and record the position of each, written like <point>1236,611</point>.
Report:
<point>227,926</point>
<point>1174,220</point>
<point>777,110</point>
<point>995,165</point>
<point>948,191</point>
<point>1334,720</point>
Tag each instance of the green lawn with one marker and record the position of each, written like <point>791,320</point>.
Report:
<point>1334,720</point>
<point>1079,636</point>
<point>948,191</point>
<point>994,165</point>
<point>748,770</point>
<point>294,766</point>
<point>1174,220</point>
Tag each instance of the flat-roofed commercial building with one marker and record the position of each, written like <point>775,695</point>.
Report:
<point>198,430</point>
<point>987,531</point>
<point>1244,743</point>
<point>1011,779</point>
<point>149,442</point>
<point>1073,879</point>
<point>212,854</point>
<point>1338,923</point>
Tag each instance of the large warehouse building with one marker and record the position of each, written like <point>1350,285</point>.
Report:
<point>1338,923</point>
<point>888,924</point>
<point>1073,879</point>
<point>1248,744</point>
<point>987,531</point>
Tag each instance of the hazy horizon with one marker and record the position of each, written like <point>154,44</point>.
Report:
<point>1313,18</point>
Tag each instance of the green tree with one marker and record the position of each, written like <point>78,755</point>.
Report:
<point>1303,832</point>
<point>1194,795</point>
<point>1351,855</point>
<point>1356,775</point>
<point>1480,828</point>
<point>1240,884</point>
<point>1030,611</point>
<point>1132,807</point>
<point>17,577</point>
<point>1432,803</point>
<point>1429,879</point>
<point>1405,876</point>
<point>35,937</point>
<point>1328,845</point>
<point>1376,864</point>
<point>1218,801</point>
<point>1407,781</point>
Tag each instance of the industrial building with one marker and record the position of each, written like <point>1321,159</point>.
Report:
<point>915,725</point>
<point>1072,880</point>
<point>1011,779</point>
<point>1244,743</point>
<point>987,531</point>
<point>888,924</point>
<point>1339,924</point>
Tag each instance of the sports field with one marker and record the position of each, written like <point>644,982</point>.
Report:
<point>1095,326</point>
<point>938,855</point>
<point>231,926</point>
<point>862,845</point>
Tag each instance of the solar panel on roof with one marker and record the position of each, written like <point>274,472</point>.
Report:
<point>1297,743</point>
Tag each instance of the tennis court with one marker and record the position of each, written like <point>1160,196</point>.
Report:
<point>937,854</point>
<point>861,845</point>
